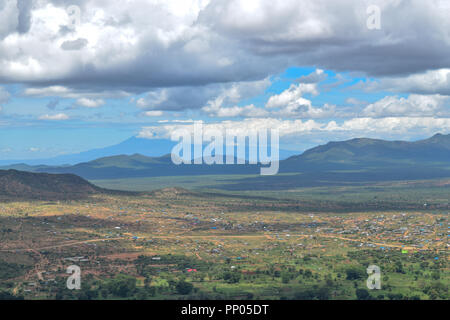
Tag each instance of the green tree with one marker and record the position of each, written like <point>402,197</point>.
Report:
<point>184,287</point>
<point>363,294</point>
<point>122,286</point>
<point>355,273</point>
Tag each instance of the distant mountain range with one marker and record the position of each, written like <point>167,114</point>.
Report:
<point>358,162</point>
<point>353,160</point>
<point>131,146</point>
<point>147,147</point>
<point>373,153</point>
<point>436,148</point>
<point>135,166</point>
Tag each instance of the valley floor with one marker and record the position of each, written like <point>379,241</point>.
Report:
<point>179,244</point>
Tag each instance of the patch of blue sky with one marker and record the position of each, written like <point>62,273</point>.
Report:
<point>335,89</point>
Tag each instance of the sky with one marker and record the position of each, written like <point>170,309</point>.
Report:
<point>77,75</point>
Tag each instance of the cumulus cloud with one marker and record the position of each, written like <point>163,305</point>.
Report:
<point>413,106</point>
<point>54,117</point>
<point>363,127</point>
<point>90,103</point>
<point>237,111</point>
<point>210,99</point>
<point>355,102</point>
<point>293,95</point>
<point>291,103</point>
<point>315,77</point>
<point>307,111</point>
<point>47,91</point>
<point>288,104</point>
<point>155,113</point>
<point>70,93</point>
<point>429,82</point>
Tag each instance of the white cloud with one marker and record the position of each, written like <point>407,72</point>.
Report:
<point>363,127</point>
<point>236,111</point>
<point>224,103</point>
<point>429,82</point>
<point>54,117</point>
<point>153,99</point>
<point>305,110</point>
<point>355,102</point>
<point>155,113</point>
<point>433,81</point>
<point>90,103</point>
<point>70,93</point>
<point>176,121</point>
<point>315,77</point>
<point>47,91</point>
<point>291,103</point>
<point>209,98</point>
<point>292,96</point>
<point>413,106</point>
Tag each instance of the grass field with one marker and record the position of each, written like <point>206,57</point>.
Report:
<point>401,194</point>
<point>156,183</point>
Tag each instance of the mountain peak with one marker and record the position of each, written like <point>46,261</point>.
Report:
<point>440,136</point>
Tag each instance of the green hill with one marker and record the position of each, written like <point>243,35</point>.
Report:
<point>41,186</point>
<point>370,153</point>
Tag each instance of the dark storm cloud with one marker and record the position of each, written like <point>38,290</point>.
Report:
<point>195,97</point>
<point>414,35</point>
<point>144,45</point>
<point>24,7</point>
<point>176,99</point>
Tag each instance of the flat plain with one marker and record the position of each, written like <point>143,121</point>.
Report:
<point>206,243</point>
